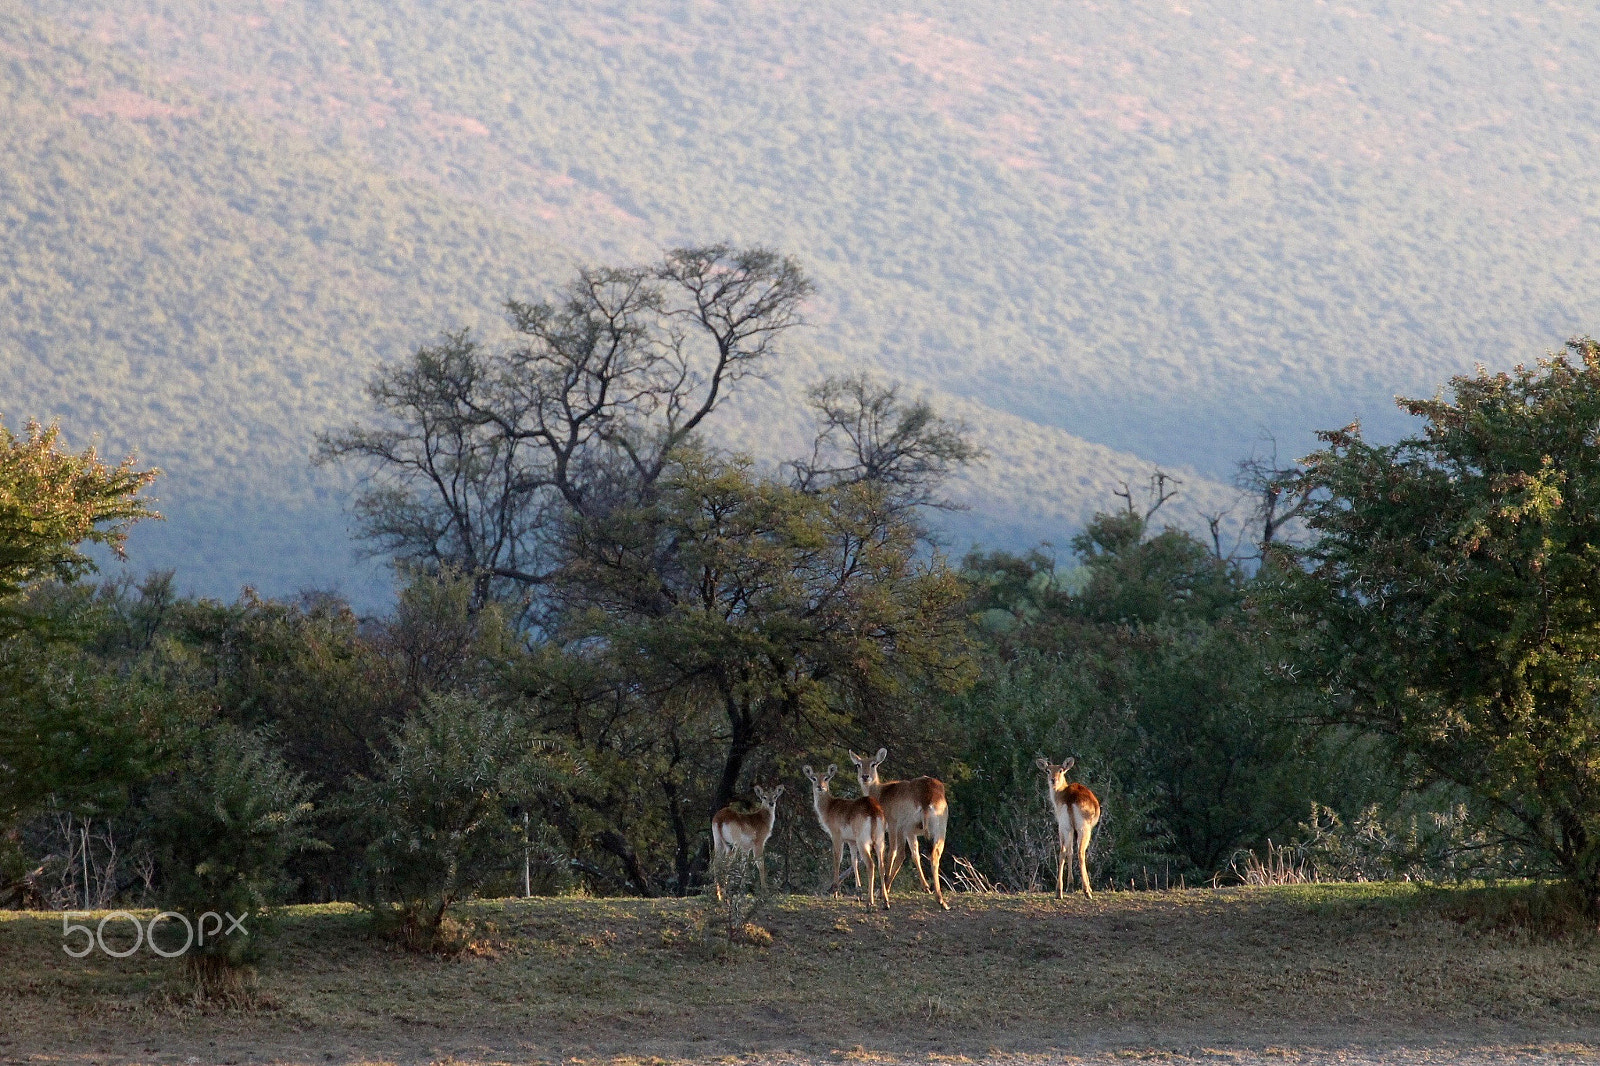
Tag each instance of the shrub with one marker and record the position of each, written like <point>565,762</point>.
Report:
<point>223,825</point>
<point>438,816</point>
<point>1447,601</point>
<point>1418,841</point>
<point>734,919</point>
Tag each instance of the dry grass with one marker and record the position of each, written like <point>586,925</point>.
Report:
<point>1331,967</point>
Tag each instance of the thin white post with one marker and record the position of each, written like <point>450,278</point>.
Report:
<point>83,831</point>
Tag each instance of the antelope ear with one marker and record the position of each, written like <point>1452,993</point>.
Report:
<point>833,768</point>
<point>810,773</point>
<point>761,793</point>
<point>1043,764</point>
<point>858,760</point>
<point>1067,764</point>
<point>883,753</point>
<point>776,793</point>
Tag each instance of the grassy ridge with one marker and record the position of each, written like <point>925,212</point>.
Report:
<point>1069,204</point>
<point>1317,966</point>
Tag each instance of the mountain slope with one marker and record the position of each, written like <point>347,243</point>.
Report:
<point>1161,227</point>
<point>1213,212</point>
<point>211,289</point>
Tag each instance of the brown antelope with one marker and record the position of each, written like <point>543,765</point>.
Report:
<point>1077,813</point>
<point>733,832</point>
<point>910,809</point>
<point>857,822</point>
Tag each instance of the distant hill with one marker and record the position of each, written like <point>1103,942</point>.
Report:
<point>1106,234</point>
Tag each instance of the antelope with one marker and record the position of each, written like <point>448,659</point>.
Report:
<point>910,809</point>
<point>1077,813</point>
<point>857,822</point>
<point>733,832</point>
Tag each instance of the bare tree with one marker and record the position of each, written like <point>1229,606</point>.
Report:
<point>444,488</point>
<point>1156,494</point>
<point>1280,493</point>
<point>483,453</point>
<point>866,433</point>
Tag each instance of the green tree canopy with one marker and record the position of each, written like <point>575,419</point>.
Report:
<point>1449,599</point>
<point>744,618</point>
<point>64,732</point>
<point>52,501</point>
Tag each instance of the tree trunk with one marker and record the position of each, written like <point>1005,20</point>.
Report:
<point>741,741</point>
<point>1580,858</point>
<point>680,834</point>
<point>613,842</point>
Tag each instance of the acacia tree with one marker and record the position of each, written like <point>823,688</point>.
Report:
<point>1449,597</point>
<point>779,618</point>
<point>866,434</point>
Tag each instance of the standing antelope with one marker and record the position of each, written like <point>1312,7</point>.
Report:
<point>732,832</point>
<point>1077,813</point>
<point>857,822</point>
<point>910,809</point>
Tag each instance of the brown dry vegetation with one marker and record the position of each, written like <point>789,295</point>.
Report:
<point>1346,973</point>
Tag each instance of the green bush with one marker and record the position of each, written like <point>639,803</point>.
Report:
<point>1044,705</point>
<point>1446,600</point>
<point>1431,835</point>
<point>72,737</point>
<point>223,826</point>
<point>439,815</point>
<point>1147,664</point>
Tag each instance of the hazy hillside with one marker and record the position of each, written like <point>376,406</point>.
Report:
<point>1160,227</point>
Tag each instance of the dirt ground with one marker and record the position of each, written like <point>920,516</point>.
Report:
<point>1315,974</point>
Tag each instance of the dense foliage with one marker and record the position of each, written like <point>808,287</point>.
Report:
<point>223,824</point>
<point>53,502</point>
<point>70,737</point>
<point>438,814</point>
<point>1447,598</point>
<point>1147,665</point>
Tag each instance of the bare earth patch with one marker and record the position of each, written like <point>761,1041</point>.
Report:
<point>1349,974</point>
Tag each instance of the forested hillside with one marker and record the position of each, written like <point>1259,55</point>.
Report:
<point>1159,227</point>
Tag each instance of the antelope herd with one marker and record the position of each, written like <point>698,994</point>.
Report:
<point>890,816</point>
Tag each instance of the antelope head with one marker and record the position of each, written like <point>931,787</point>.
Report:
<point>769,800</point>
<point>820,783</point>
<point>1055,776</point>
<point>867,770</point>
